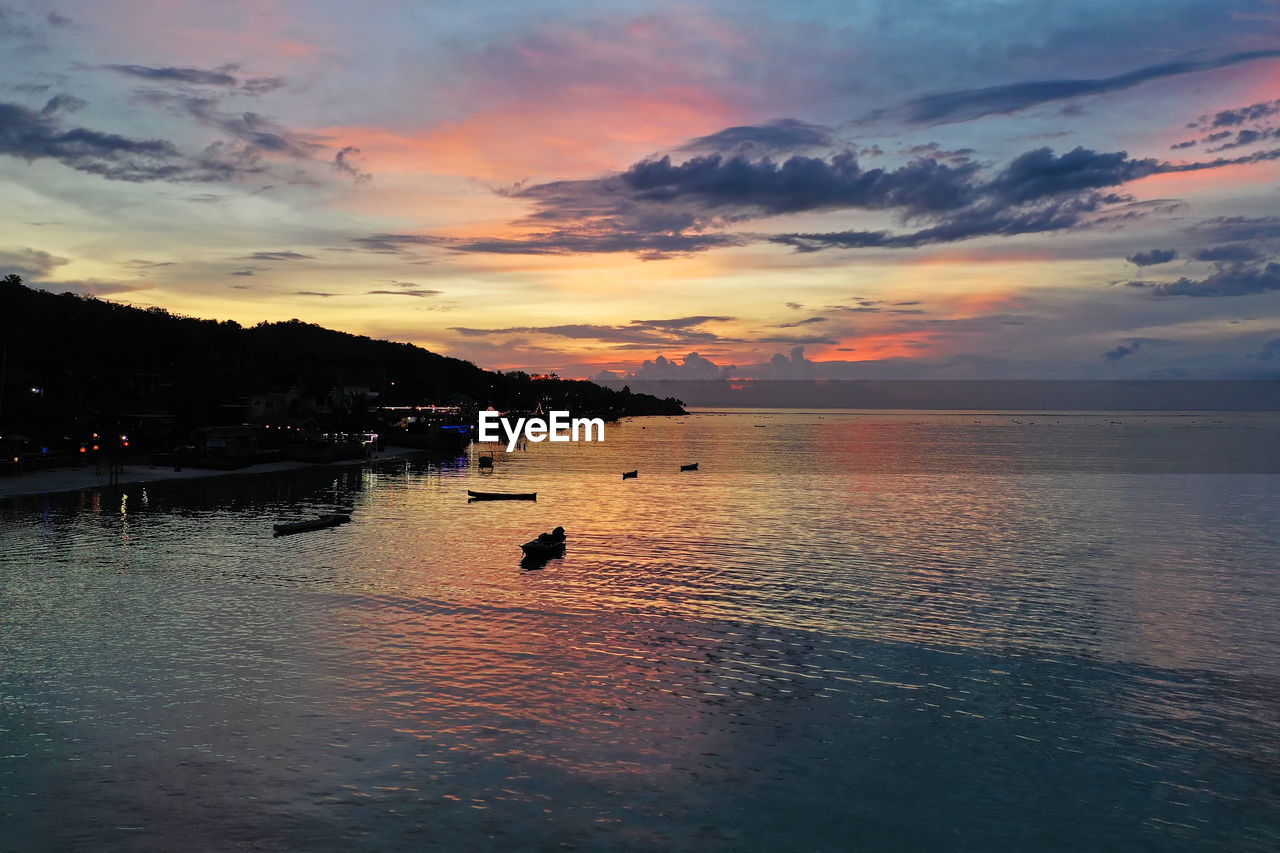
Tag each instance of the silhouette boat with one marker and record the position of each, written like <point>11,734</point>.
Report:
<point>486,461</point>
<point>332,519</point>
<point>502,496</point>
<point>630,475</point>
<point>546,546</point>
<point>693,466</point>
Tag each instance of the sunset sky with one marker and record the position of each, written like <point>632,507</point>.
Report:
<point>804,189</point>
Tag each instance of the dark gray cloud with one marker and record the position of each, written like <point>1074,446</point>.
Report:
<point>1270,350</point>
<point>1228,254</point>
<point>1037,192</point>
<point>319,293</point>
<point>808,321</point>
<point>1246,137</point>
<point>1234,280</point>
<point>798,184</point>
<point>276,256</point>
<point>1040,173</point>
<point>602,241</point>
<point>1239,115</point>
<point>659,208</point>
<point>32,135</point>
<point>1121,351</point>
<point>638,334</point>
<point>776,137</point>
<point>680,322</point>
<point>418,292</point>
<point>143,267</point>
<point>256,133</point>
<point>244,272</point>
<point>396,243</point>
<point>221,77</point>
<point>29,263</point>
<point>63,103</point>
<point>1227,229</point>
<point>344,162</point>
<point>691,366</point>
<point>96,288</point>
<point>967,104</point>
<point>684,205</point>
<point>937,152</point>
<point>169,74</point>
<point>255,86</point>
<point>1152,258</point>
<point>980,221</point>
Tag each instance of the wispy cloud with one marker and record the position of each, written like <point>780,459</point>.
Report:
<point>967,104</point>
<point>1152,258</point>
<point>276,256</point>
<point>221,77</point>
<point>1228,280</point>
<point>783,136</point>
<point>29,263</point>
<point>678,331</point>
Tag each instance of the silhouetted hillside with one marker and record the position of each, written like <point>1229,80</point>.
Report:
<point>72,362</point>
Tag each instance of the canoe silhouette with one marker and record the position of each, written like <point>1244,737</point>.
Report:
<point>693,466</point>
<point>502,496</point>
<point>330,520</point>
<point>630,475</point>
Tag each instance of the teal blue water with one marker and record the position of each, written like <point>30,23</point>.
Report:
<point>845,631</point>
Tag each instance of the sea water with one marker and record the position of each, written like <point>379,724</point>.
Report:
<point>845,631</point>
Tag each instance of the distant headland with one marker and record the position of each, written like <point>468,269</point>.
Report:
<point>82,377</point>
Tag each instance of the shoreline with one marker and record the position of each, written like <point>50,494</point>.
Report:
<point>55,480</point>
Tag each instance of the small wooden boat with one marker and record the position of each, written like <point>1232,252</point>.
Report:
<point>329,520</point>
<point>690,467</point>
<point>630,475</point>
<point>486,461</point>
<point>546,546</point>
<point>502,496</point>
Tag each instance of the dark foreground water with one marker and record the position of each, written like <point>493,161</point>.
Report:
<point>845,632</point>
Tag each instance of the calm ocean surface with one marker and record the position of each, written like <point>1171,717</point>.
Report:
<point>847,631</point>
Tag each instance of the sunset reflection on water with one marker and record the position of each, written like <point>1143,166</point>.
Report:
<point>838,618</point>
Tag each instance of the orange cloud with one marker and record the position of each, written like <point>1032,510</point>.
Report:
<point>873,347</point>
<point>976,304</point>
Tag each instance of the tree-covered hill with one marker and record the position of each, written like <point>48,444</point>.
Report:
<point>69,360</point>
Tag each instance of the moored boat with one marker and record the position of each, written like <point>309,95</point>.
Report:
<point>693,466</point>
<point>328,520</point>
<point>547,545</point>
<point>502,496</point>
<point>630,475</point>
